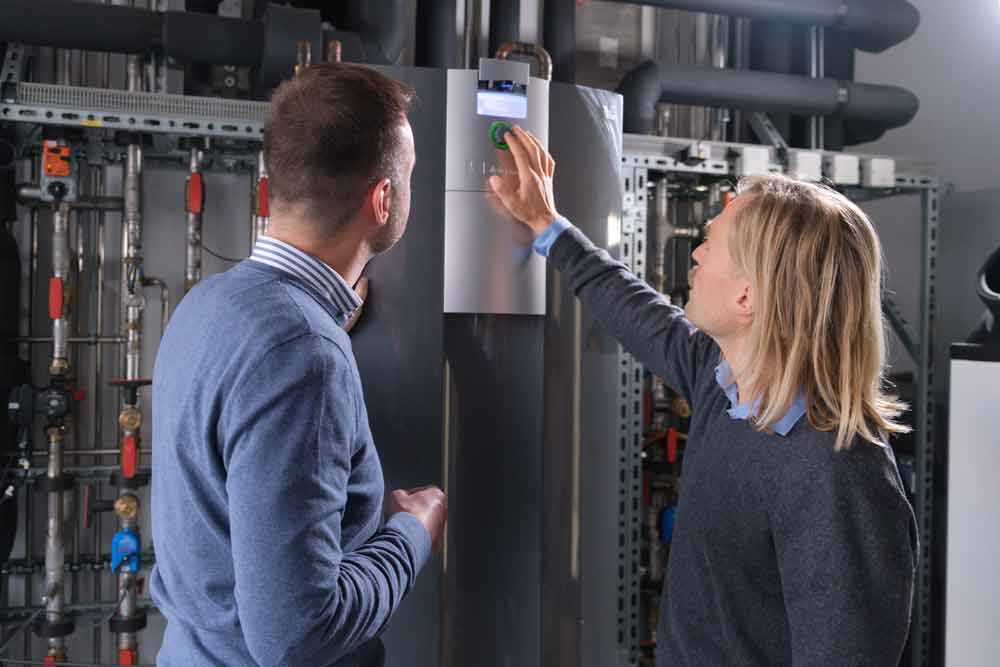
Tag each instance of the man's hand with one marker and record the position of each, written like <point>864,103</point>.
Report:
<point>428,504</point>
<point>528,195</point>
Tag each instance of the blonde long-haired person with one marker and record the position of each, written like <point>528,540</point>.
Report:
<point>794,542</point>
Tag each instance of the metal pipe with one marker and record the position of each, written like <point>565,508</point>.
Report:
<point>55,547</point>
<point>100,563</point>
<point>81,340</point>
<point>817,46</point>
<point>76,452</point>
<point>130,417</point>
<point>82,472</point>
<point>875,26</point>
<point>649,83</point>
<point>541,56</point>
<point>15,613</point>
<point>195,204</point>
<point>31,195</point>
<point>59,289</point>
<point>261,203</point>
<point>152,281</point>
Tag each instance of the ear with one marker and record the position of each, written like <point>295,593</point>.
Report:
<point>744,305</point>
<point>381,199</point>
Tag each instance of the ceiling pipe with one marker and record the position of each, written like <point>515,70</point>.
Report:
<point>371,31</point>
<point>746,90</point>
<point>876,24</point>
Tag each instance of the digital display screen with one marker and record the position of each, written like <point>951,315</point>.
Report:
<point>503,105</point>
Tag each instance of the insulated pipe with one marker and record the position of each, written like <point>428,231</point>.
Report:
<point>437,34</point>
<point>559,28</point>
<point>59,290</point>
<point>876,25</point>
<point>185,36</point>
<point>540,55</point>
<point>195,204</point>
<point>649,83</point>
<point>505,23</point>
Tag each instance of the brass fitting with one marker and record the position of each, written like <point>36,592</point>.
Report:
<point>127,506</point>
<point>130,418</point>
<point>59,367</point>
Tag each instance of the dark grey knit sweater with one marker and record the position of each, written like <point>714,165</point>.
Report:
<point>785,552</point>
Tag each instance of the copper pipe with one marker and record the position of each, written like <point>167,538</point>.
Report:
<point>541,56</point>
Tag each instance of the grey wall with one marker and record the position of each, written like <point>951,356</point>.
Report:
<point>950,63</point>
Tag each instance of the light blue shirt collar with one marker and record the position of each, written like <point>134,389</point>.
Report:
<point>724,378</point>
<point>314,272</point>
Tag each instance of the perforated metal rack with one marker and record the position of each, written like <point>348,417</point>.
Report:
<point>123,110</point>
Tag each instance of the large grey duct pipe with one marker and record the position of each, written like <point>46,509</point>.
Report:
<point>377,34</point>
<point>876,24</point>
<point>746,90</point>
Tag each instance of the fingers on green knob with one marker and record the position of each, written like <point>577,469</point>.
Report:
<point>497,131</point>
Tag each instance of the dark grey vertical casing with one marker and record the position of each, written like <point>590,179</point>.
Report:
<point>399,347</point>
<point>582,386</point>
<point>492,407</point>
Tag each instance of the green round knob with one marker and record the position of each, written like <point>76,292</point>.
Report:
<point>497,131</point>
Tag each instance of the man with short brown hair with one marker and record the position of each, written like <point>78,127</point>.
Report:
<point>267,488</point>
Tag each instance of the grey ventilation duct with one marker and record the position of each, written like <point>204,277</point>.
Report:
<point>875,24</point>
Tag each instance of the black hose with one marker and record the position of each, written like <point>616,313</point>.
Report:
<point>747,90</point>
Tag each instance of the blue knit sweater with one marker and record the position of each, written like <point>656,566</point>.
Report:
<point>267,488</point>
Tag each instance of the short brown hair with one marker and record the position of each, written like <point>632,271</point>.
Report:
<point>330,133</point>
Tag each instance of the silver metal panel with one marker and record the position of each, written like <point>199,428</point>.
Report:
<point>583,388</point>
<point>973,596</point>
<point>486,270</point>
<point>489,266</point>
<point>472,158</point>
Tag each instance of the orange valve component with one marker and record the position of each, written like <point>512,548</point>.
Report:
<point>128,656</point>
<point>56,159</point>
<point>130,456</point>
<point>672,445</point>
<point>57,295</point>
<point>195,194</point>
<point>263,198</point>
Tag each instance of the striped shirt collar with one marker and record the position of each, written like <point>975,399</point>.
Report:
<point>314,272</point>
